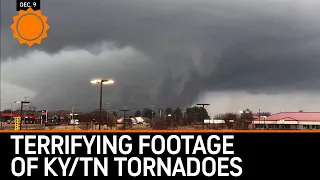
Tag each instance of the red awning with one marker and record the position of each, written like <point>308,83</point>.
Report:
<point>17,115</point>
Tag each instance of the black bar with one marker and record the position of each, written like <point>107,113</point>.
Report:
<point>26,4</point>
<point>271,155</point>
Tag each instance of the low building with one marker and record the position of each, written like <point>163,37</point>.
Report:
<point>289,120</point>
<point>6,117</point>
<point>213,121</point>
<point>140,120</point>
<point>135,120</point>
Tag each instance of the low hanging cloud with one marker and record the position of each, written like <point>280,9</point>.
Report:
<point>165,53</point>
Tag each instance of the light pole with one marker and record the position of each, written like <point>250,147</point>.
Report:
<point>21,109</point>
<point>11,113</point>
<point>169,120</point>
<point>107,107</point>
<point>203,104</point>
<point>152,112</point>
<point>25,112</point>
<point>101,82</point>
<point>259,119</point>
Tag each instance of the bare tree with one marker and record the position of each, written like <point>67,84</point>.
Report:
<point>111,121</point>
<point>246,118</point>
<point>229,118</point>
<point>85,122</point>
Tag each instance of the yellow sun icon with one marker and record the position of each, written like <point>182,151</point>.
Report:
<point>30,27</point>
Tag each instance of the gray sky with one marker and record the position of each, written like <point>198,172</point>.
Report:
<point>233,54</point>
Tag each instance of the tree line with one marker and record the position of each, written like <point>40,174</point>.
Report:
<point>167,118</point>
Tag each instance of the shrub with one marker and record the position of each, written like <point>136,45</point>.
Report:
<point>85,125</point>
<point>159,124</point>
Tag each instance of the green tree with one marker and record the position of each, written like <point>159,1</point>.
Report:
<point>177,116</point>
<point>85,122</point>
<point>194,115</point>
<point>202,113</point>
<point>191,115</point>
<point>111,121</point>
<point>115,114</point>
<point>197,113</point>
<point>229,119</point>
<point>147,112</point>
<point>137,113</point>
<point>246,118</point>
<point>168,111</point>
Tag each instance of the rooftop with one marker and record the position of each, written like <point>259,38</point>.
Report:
<point>16,115</point>
<point>298,116</point>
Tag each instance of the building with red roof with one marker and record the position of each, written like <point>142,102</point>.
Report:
<point>17,115</point>
<point>7,117</point>
<point>289,120</point>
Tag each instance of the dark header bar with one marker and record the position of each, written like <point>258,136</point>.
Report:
<point>26,4</point>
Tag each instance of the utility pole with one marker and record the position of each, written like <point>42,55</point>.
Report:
<point>264,122</point>
<point>11,114</point>
<point>124,117</point>
<point>203,104</point>
<point>152,112</point>
<point>25,112</point>
<point>72,113</point>
<point>100,107</point>
<point>107,107</point>
<point>259,118</point>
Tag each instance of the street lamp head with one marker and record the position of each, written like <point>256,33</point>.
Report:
<point>203,104</point>
<point>103,81</point>
<point>23,102</point>
<point>109,81</point>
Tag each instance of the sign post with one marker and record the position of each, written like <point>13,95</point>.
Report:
<point>17,121</point>
<point>44,117</point>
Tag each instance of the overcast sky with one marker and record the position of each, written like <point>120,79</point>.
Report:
<point>233,54</point>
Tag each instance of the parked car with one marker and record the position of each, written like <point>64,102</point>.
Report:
<point>52,123</point>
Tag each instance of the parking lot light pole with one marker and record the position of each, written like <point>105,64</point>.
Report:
<point>203,104</point>
<point>101,82</point>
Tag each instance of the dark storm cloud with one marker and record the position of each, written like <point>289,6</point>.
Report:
<point>191,46</point>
